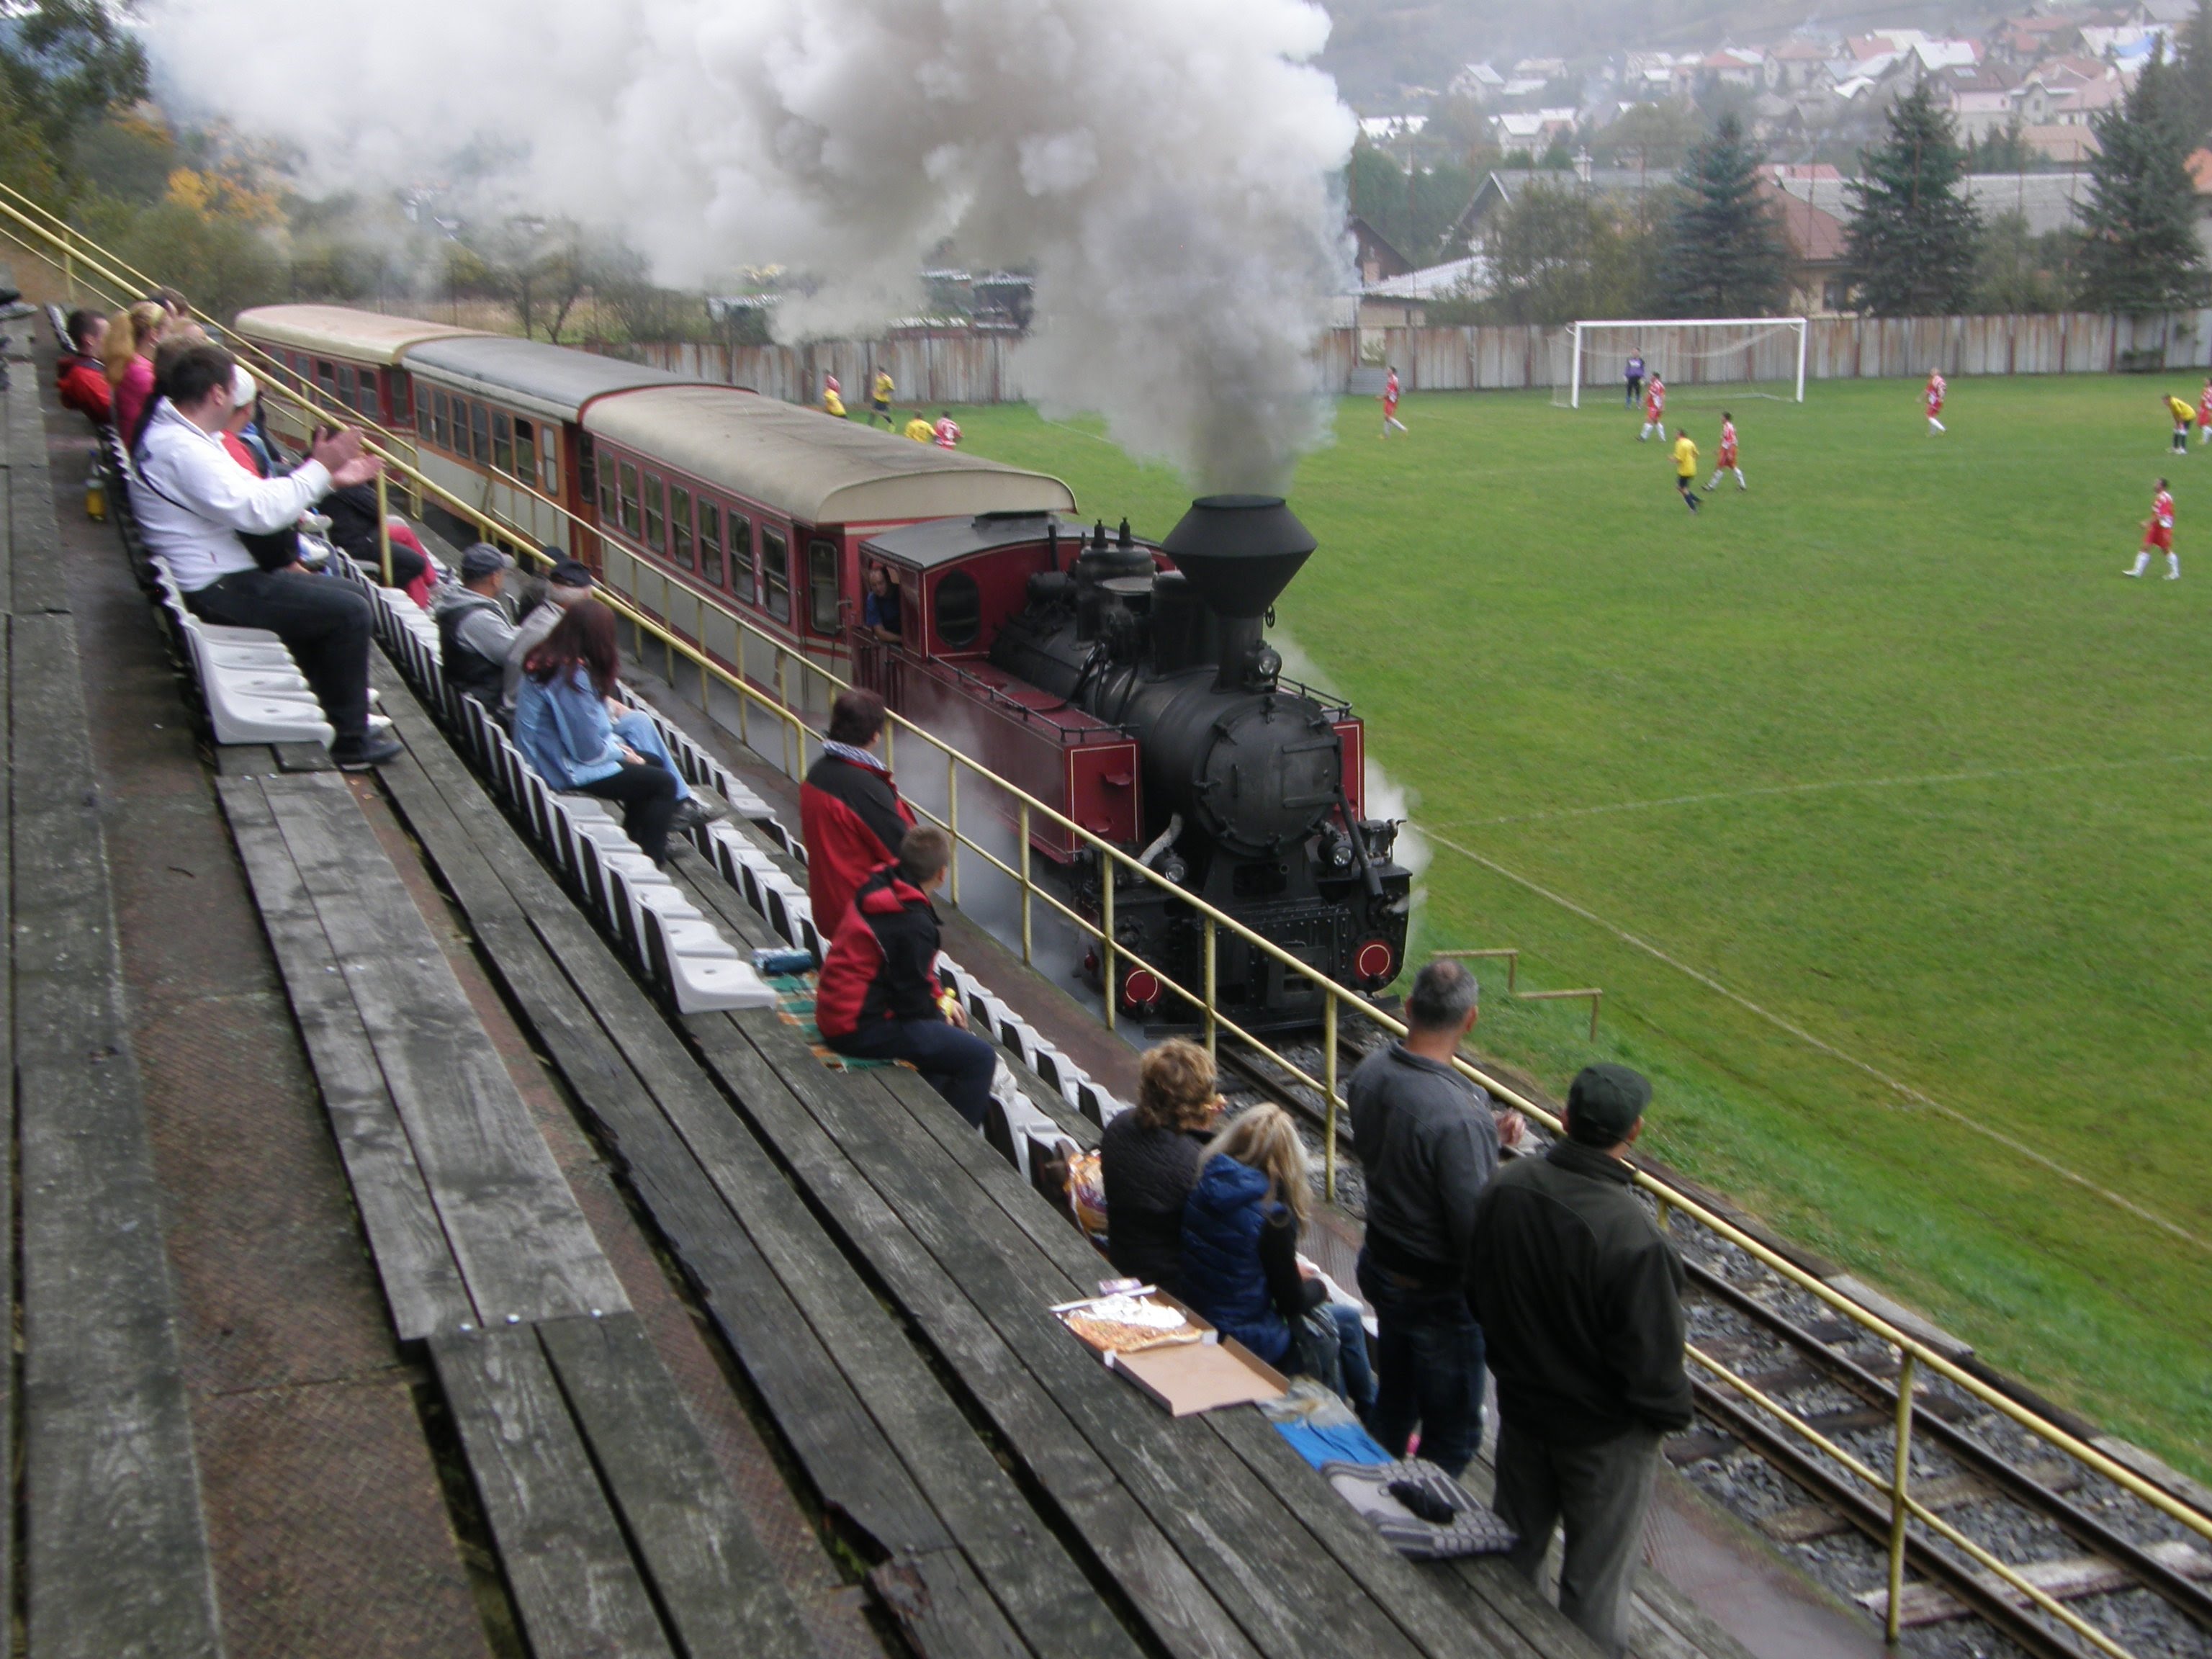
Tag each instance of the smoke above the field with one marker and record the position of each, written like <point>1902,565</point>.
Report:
<point>1165,167</point>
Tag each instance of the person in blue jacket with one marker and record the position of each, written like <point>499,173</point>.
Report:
<point>1240,1258</point>
<point>568,734</point>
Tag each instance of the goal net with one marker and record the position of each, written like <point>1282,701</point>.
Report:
<point>1700,358</point>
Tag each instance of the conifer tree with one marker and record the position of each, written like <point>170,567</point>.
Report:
<point>2141,252</point>
<point>1913,238</point>
<point>2194,61</point>
<point>1725,255</point>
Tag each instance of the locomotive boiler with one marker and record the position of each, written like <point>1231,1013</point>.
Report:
<point>1248,790</point>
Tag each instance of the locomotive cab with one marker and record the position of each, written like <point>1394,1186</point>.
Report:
<point>1137,677</point>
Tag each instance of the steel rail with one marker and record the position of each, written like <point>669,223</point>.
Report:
<point>1114,857</point>
<point>2186,1594</point>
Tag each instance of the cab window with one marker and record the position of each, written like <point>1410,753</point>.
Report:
<point>710,541</point>
<point>821,587</point>
<point>776,574</point>
<point>653,513</point>
<point>628,499</point>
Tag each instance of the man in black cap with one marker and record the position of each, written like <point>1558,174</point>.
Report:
<point>473,629</point>
<point>566,583</point>
<point>1580,1296</point>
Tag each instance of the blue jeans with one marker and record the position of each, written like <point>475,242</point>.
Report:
<point>1429,1355</point>
<point>957,1064</point>
<point>637,730</point>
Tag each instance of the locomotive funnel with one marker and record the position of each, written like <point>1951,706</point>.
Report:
<point>1239,551</point>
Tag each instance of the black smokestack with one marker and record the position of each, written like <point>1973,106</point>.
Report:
<point>1241,552</point>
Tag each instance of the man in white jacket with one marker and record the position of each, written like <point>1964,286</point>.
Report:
<point>195,503</point>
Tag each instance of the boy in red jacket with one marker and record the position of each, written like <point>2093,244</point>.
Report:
<point>879,994</point>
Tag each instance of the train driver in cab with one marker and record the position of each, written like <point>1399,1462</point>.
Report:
<point>880,607</point>
<point>849,810</point>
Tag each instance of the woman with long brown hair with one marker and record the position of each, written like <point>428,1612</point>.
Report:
<point>1148,1161</point>
<point>128,353</point>
<point>564,728</point>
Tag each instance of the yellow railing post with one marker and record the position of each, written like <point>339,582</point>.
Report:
<point>1899,1498</point>
<point>1329,1095</point>
<point>1664,1213</point>
<point>953,818</point>
<point>783,698</point>
<point>1106,933</point>
<point>384,524</point>
<point>1025,880</point>
<point>1213,1027</point>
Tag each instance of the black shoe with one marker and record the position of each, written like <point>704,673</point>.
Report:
<point>359,754</point>
<point>691,813</point>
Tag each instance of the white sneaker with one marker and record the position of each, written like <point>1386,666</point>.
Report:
<point>2131,573</point>
<point>2173,575</point>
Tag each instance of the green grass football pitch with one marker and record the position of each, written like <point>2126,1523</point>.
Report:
<point>1876,799</point>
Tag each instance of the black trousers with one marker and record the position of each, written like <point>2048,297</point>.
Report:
<point>647,797</point>
<point>323,622</point>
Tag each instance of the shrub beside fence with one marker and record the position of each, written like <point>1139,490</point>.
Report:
<point>957,367</point>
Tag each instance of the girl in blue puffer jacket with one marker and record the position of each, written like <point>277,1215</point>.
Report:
<point>1240,1257</point>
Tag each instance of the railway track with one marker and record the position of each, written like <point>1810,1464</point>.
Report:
<point>2134,1574</point>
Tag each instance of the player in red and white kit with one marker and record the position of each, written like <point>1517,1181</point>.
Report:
<point>1390,403</point>
<point>2204,414</point>
<point>1935,398</point>
<point>1654,409</point>
<point>1727,461</point>
<point>947,431</point>
<point>2158,536</point>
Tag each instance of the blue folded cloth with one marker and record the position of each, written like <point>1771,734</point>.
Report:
<point>1346,1443</point>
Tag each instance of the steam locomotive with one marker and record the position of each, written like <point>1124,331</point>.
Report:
<point>1244,789</point>
<point>1127,683</point>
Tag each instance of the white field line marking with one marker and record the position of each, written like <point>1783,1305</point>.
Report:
<point>1903,781</point>
<point>1803,1036</point>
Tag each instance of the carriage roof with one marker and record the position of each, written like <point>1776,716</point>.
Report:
<point>362,335</point>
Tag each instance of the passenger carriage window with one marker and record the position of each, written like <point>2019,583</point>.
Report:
<point>741,557</point>
<point>587,465</point>
<point>629,498</point>
<point>367,400</point>
<point>348,394</point>
<point>653,513</point>
<point>776,574</point>
<point>821,587</point>
<point>679,525</point>
<point>502,443</point>
<point>710,541</point>
<point>327,377</point>
<point>423,421</point>
<point>549,464</point>
<point>525,452</point>
<point>480,434</point>
<point>441,428</point>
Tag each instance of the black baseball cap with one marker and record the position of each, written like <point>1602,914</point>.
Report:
<point>480,559</point>
<point>1604,1103</point>
<point>571,573</point>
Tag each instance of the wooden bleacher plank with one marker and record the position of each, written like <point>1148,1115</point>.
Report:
<point>873,1428</point>
<point>9,1286</point>
<point>525,1249</point>
<point>421,1282</point>
<point>115,1547</point>
<point>708,1572</point>
<point>577,1589</point>
<point>943,1607</point>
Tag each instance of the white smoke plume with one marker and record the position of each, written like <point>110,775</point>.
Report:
<point>1164,165</point>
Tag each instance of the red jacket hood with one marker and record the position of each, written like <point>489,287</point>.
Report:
<point>892,896</point>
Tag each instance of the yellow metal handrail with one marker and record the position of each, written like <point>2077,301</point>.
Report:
<point>1032,811</point>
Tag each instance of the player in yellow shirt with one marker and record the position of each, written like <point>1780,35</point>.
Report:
<point>919,429</point>
<point>1686,467</point>
<point>833,397</point>
<point>2182,413</point>
<point>879,398</point>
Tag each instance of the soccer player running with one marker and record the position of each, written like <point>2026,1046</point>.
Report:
<point>833,397</point>
<point>2158,536</point>
<point>1686,467</point>
<point>2204,414</point>
<point>1654,409</point>
<point>1727,460</point>
<point>947,429</point>
<point>1934,396</point>
<point>2179,409</point>
<point>1390,403</point>
<point>879,398</point>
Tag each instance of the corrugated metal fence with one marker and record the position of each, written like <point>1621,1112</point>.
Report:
<point>984,368</point>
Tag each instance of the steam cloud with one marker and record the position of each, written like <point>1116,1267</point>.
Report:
<point>1164,165</point>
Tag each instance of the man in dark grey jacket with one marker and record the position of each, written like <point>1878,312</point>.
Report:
<point>1428,1142</point>
<point>1581,1296</point>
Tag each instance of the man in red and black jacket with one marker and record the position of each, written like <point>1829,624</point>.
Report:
<point>78,377</point>
<point>878,998</point>
<point>849,811</point>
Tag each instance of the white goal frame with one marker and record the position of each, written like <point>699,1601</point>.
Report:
<point>1653,325</point>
